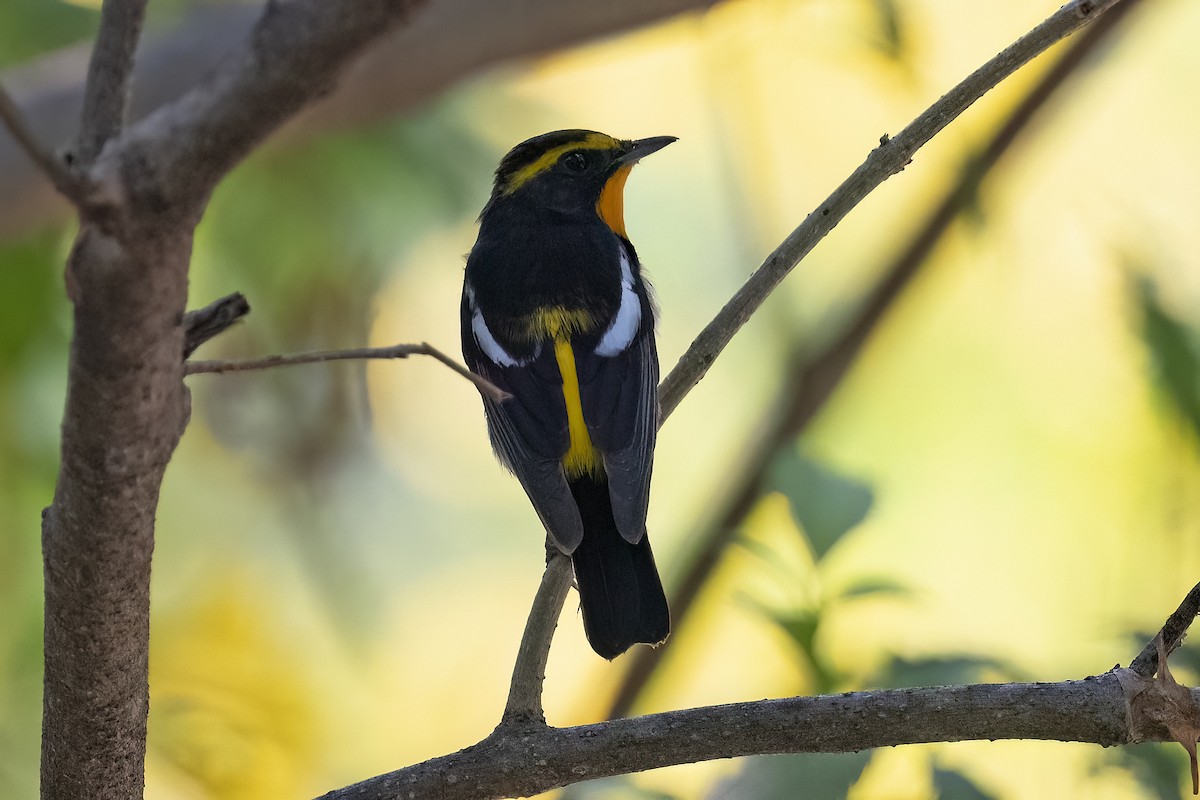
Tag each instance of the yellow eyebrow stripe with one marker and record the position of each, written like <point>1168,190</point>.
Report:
<point>593,141</point>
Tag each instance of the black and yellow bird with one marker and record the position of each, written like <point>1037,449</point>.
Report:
<point>556,311</point>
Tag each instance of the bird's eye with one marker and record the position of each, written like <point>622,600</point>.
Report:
<point>575,162</point>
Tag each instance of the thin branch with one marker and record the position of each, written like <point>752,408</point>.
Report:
<point>538,759</point>
<point>46,161</point>
<point>106,100</point>
<point>524,703</point>
<point>1146,663</point>
<point>892,156</point>
<point>215,318</point>
<point>813,380</point>
<point>486,388</point>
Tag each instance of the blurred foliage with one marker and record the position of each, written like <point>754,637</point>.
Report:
<point>30,27</point>
<point>951,785</point>
<point>819,776</point>
<point>825,504</point>
<point>1174,354</point>
<point>1159,767</point>
<point>620,787</point>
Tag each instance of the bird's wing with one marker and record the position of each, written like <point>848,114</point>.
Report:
<point>619,395</point>
<point>529,433</point>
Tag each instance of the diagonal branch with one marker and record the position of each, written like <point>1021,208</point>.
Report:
<point>1162,645</point>
<point>889,158</point>
<point>46,161</point>
<point>813,380</point>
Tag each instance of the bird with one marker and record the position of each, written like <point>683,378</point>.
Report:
<point>557,312</point>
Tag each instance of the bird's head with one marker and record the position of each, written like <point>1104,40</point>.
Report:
<point>572,171</point>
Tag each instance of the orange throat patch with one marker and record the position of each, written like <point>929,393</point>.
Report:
<point>611,205</point>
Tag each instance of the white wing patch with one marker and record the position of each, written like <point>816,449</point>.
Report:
<point>483,335</point>
<point>629,315</point>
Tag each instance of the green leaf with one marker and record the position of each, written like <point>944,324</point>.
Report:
<point>1174,355</point>
<point>951,785</point>
<point>824,503</point>
<point>822,776</point>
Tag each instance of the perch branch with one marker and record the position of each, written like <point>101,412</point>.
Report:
<point>525,762</point>
<point>889,158</point>
<point>814,379</point>
<point>486,388</point>
<point>525,691</point>
<point>1116,708</point>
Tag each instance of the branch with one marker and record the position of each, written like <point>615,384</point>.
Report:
<point>215,318</point>
<point>449,41</point>
<point>106,101</point>
<point>172,159</point>
<point>46,161</point>
<point>126,404</point>
<point>508,764</point>
<point>889,158</point>
<point>486,387</point>
<point>1116,708</point>
<point>1169,638</point>
<point>813,380</point>
<point>524,703</point>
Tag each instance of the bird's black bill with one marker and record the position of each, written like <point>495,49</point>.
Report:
<point>641,148</point>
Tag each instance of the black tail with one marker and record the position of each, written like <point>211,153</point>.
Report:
<point>619,589</point>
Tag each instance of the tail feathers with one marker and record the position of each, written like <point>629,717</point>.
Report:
<point>619,589</point>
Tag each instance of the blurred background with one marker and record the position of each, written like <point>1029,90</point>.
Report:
<point>1003,486</point>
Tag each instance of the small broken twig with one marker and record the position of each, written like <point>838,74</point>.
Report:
<point>218,316</point>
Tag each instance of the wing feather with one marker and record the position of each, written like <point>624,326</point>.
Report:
<point>529,433</point>
<point>620,404</point>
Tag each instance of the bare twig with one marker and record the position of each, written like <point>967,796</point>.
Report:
<point>1173,630</point>
<point>813,380</point>
<point>525,691</point>
<point>486,388</point>
<point>218,316</point>
<point>106,101</point>
<point>890,157</point>
<point>46,161</point>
